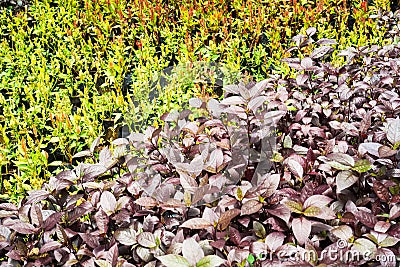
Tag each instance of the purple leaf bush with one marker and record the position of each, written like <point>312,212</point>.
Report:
<point>206,189</point>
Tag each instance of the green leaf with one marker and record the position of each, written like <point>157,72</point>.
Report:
<point>251,259</point>
<point>339,166</point>
<point>173,260</point>
<point>362,166</point>
<point>312,211</point>
<point>210,261</point>
<point>287,142</point>
<point>365,246</point>
<point>259,229</point>
<point>294,206</point>
<point>103,263</point>
<point>389,242</point>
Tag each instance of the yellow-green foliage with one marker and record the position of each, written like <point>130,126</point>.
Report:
<point>58,49</point>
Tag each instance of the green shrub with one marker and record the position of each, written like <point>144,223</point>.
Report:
<point>70,70</point>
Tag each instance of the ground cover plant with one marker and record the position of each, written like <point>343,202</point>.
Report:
<point>70,70</point>
<point>179,194</point>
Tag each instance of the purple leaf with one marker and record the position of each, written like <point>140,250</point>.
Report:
<point>311,31</point>
<point>274,240</point>
<point>146,202</point>
<point>295,167</point>
<point>90,240</point>
<point>226,218</point>
<point>102,221</point>
<point>381,191</point>
<point>67,175</point>
<point>93,171</point>
<point>201,192</point>
<point>256,102</point>
<point>321,51</point>
<point>317,201</point>
<point>326,41</point>
<point>23,228</point>
<point>196,223</point>
<point>234,235</point>
<point>301,229</point>
<point>307,63</point>
<point>112,255</point>
<point>233,100</point>
<point>108,202</point>
<point>52,220</point>
<point>386,152</point>
<point>36,196</point>
<point>36,215</point>
<point>342,159</point>
<point>105,156</point>
<point>387,257</point>
<point>366,218</point>
<point>195,102</point>
<point>250,207</point>
<point>301,79</point>
<point>343,232</point>
<point>215,162</point>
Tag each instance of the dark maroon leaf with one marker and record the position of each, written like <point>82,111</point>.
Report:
<point>381,191</point>
<point>368,219</point>
<point>90,240</point>
<point>234,235</point>
<point>102,221</point>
